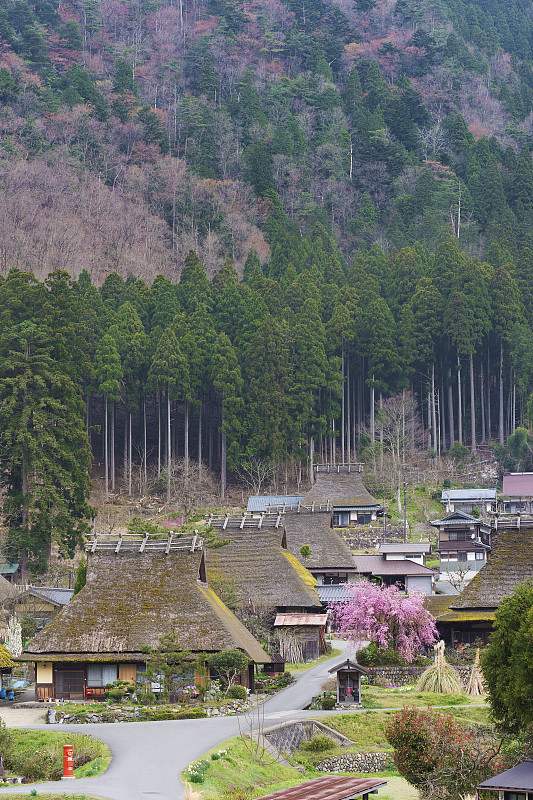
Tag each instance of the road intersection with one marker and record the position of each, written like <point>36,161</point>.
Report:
<point>148,757</point>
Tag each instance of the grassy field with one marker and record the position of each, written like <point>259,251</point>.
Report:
<point>420,507</point>
<point>374,697</point>
<point>38,755</point>
<point>235,774</point>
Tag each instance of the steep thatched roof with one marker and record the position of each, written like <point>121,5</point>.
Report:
<point>261,569</point>
<point>6,660</point>
<point>328,549</point>
<point>339,489</point>
<point>510,563</point>
<point>438,604</point>
<point>133,598</point>
<point>8,591</point>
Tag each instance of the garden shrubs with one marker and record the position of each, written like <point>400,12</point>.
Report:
<point>434,752</point>
<point>328,703</point>
<point>39,756</point>
<point>237,693</point>
<point>318,744</point>
<point>267,684</point>
<point>161,714</point>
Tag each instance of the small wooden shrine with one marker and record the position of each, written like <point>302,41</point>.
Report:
<point>348,682</point>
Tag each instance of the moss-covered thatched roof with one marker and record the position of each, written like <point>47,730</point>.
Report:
<point>328,549</point>
<point>468,615</point>
<point>130,600</point>
<point>510,563</point>
<point>6,661</point>
<point>261,569</point>
<point>339,489</point>
<point>438,604</point>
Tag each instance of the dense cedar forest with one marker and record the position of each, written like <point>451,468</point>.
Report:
<point>252,225</point>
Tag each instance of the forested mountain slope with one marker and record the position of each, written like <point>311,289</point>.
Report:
<point>277,217</point>
<point>133,131</point>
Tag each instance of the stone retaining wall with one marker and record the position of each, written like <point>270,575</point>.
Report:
<point>403,676</point>
<point>116,714</point>
<point>288,737</point>
<point>355,762</point>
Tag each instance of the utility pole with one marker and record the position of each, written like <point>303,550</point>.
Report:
<point>404,511</point>
<point>384,521</point>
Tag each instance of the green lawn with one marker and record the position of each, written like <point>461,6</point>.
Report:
<point>397,789</point>
<point>374,697</point>
<point>237,771</point>
<point>237,774</point>
<point>39,754</point>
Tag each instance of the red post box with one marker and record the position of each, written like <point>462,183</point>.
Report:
<point>68,761</point>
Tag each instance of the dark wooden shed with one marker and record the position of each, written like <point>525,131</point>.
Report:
<point>513,784</point>
<point>348,682</point>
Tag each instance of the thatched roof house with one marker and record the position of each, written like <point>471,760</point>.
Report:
<point>340,488</point>
<point>8,591</point>
<point>260,568</point>
<point>329,551</point>
<point>471,613</point>
<point>135,593</point>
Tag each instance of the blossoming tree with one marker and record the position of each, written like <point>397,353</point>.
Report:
<point>387,618</point>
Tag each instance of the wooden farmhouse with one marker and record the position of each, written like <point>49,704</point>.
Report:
<point>302,637</point>
<point>255,562</point>
<point>251,559</point>
<point>331,560</point>
<point>470,615</point>
<point>137,591</point>
<point>42,603</point>
<point>340,489</point>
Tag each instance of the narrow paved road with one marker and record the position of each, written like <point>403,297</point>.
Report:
<point>148,757</point>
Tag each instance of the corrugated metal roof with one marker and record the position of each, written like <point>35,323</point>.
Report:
<point>327,787</point>
<point>300,619</point>
<point>463,495</point>
<point>518,484</point>
<point>260,503</point>
<point>335,593</point>
<point>405,547</point>
<point>519,777</point>
<point>55,595</point>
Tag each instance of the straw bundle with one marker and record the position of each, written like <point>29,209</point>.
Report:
<point>440,677</point>
<point>476,684</point>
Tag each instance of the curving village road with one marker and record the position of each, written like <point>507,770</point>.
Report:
<point>148,757</point>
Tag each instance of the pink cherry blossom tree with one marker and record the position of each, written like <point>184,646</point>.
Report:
<point>387,618</point>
